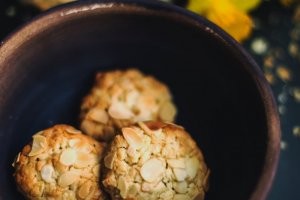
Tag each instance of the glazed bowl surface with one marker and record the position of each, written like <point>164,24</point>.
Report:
<point>223,99</point>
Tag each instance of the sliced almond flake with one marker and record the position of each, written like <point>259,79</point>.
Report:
<point>169,173</point>
<point>181,197</point>
<point>132,137</point>
<point>121,153</point>
<point>133,190</point>
<point>145,128</point>
<point>176,163</point>
<point>47,172</point>
<point>17,159</point>
<point>147,187</point>
<point>98,115</point>
<point>180,174</point>
<point>85,159</point>
<point>68,157</point>
<point>131,151</point>
<point>40,164</point>
<point>122,167</point>
<point>96,170</point>
<point>181,187</point>
<point>109,160</point>
<point>176,125</point>
<point>86,189</point>
<point>83,147</point>
<point>123,186</point>
<point>73,142</point>
<point>144,157</point>
<point>68,195</point>
<point>73,131</point>
<point>192,167</point>
<point>169,194</point>
<point>143,115</point>
<point>67,179</point>
<point>168,112</point>
<point>152,170</point>
<point>131,98</point>
<point>39,145</point>
<point>160,187</point>
<point>86,174</point>
<point>119,110</point>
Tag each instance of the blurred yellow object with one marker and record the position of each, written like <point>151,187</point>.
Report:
<point>237,23</point>
<point>228,14</point>
<point>246,5</point>
<point>199,6</point>
<point>46,4</point>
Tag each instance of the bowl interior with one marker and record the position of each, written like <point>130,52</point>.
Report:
<point>218,101</point>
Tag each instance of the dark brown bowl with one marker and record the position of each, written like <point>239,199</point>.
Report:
<point>224,101</point>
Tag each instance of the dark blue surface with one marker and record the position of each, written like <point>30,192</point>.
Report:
<point>275,26</point>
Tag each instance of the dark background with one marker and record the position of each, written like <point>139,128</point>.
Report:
<point>274,24</point>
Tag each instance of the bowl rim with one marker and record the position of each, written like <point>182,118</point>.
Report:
<point>54,15</point>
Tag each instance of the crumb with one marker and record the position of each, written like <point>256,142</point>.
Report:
<point>282,109</point>
<point>293,49</point>
<point>282,98</point>
<point>259,46</point>
<point>296,131</point>
<point>270,77</point>
<point>284,73</point>
<point>295,92</point>
<point>283,145</point>
<point>269,61</point>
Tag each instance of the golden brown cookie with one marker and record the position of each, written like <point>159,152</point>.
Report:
<point>122,98</point>
<point>155,160</point>
<point>62,164</point>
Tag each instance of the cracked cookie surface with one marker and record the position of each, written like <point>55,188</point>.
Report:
<point>155,160</point>
<point>62,164</point>
<point>122,98</point>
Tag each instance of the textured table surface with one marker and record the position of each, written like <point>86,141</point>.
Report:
<point>274,45</point>
<point>279,29</point>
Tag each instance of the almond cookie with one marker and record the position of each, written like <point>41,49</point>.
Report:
<point>155,160</point>
<point>122,98</point>
<point>61,163</point>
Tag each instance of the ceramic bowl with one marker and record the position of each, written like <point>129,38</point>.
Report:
<point>224,101</point>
